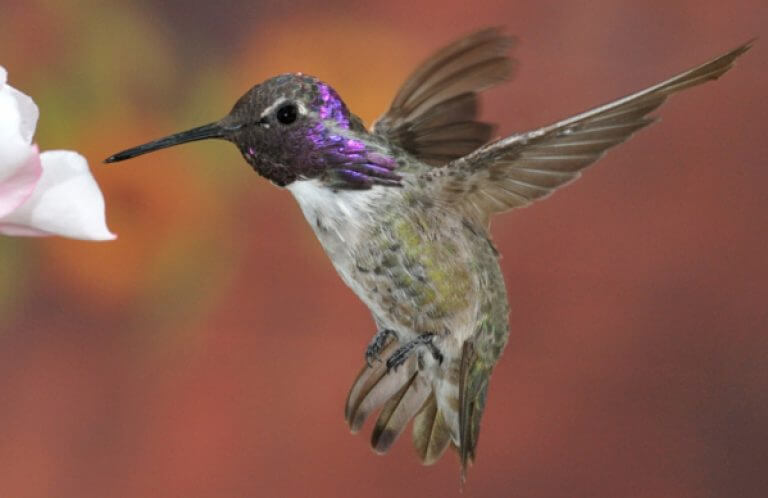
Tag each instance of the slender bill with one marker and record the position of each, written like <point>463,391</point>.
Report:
<point>212,130</point>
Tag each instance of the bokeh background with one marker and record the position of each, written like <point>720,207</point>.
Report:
<point>208,351</point>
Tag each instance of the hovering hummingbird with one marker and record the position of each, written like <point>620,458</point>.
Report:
<point>403,212</point>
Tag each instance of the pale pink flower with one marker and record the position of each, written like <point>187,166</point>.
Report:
<point>49,193</point>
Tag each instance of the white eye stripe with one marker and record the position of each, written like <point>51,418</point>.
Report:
<point>272,107</point>
<point>277,103</point>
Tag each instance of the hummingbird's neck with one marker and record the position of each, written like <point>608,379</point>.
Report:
<point>351,158</point>
<point>338,217</point>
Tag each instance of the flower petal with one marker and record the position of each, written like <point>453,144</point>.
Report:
<point>14,149</point>
<point>28,111</point>
<point>21,231</point>
<point>24,120</point>
<point>66,201</point>
<point>18,186</point>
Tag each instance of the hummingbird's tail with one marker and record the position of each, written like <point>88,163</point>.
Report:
<point>401,392</point>
<point>437,424</point>
<point>431,396</point>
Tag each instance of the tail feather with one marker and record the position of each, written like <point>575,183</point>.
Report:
<point>431,435</point>
<point>446,404</point>
<point>374,387</point>
<point>474,375</point>
<point>398,411</point>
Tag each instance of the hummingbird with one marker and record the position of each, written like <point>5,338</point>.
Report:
<point>403,210</point>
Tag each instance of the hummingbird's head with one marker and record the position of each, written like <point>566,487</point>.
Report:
<point>294,127</point>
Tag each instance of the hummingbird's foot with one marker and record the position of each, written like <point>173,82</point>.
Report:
<point>405,351</point>
<point>377,345</point>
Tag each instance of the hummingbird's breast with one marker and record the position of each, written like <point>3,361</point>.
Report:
<point>418,267</point>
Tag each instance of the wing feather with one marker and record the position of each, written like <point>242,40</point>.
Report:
<point>515,171</point>
<point>433,116</point>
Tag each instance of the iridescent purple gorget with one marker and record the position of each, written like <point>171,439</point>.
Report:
<point>332,107</point>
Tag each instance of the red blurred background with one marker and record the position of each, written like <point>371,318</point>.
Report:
<point>208,351</point>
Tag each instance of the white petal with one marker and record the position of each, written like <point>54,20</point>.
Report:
<point>16,187</point>
<point>19,162</point>
<point>14,149</point>
<point>26,115</point>
<point>28,111</point>
<point>66,201</point>
<point>20,231</point>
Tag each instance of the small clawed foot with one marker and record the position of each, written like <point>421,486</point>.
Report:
<point>404,352</point>
<point>436,354</point>
<point>377,345</point>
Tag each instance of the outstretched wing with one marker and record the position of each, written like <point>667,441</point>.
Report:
<point>517,170</point>
<point>433,116</point>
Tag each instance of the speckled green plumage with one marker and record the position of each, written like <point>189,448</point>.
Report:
<point>413,269</point>
<point>425,268</point>
<point>425,264</point>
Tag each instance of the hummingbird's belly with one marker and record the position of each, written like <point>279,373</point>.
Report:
<point>416,276</point>
<point>418,270</point>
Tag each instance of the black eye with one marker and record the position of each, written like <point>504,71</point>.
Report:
<point>287,113</point>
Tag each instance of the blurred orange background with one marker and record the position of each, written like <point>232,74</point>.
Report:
<point>208,351</point>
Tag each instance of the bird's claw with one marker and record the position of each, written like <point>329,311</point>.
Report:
<point>377,345</point>
<point>404,352</point>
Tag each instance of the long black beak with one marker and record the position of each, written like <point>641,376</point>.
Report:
<point>212,130</point>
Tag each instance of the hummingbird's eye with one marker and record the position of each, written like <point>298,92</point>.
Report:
<point>287,114</point>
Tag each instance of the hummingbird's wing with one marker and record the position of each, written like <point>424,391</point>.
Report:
<point>517,170</point>
<point>433,116</point>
